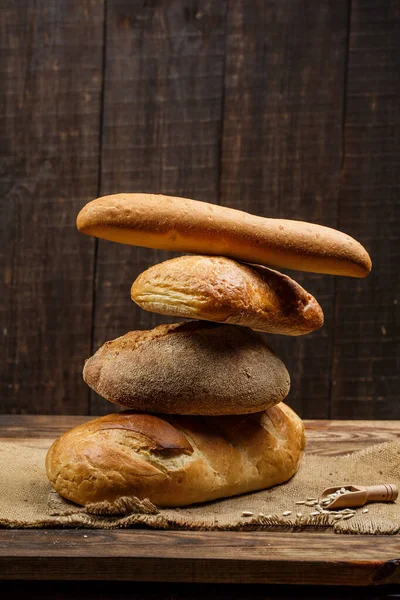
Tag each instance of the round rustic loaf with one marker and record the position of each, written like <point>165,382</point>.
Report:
<point>219,289</point>
<point>195,368</point>
<point>174,460</point>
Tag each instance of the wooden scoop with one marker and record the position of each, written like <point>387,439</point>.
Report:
<point>347,496</point>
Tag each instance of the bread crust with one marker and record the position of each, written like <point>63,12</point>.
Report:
<point>189,368</point>
<point>175,461</point>
<point>184,225</point>
<point>219,289</point>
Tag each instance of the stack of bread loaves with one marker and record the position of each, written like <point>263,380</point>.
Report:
<point>223,429</point>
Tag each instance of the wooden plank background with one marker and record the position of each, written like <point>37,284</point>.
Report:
<point>284,109</point>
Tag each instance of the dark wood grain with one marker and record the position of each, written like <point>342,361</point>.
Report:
<point>281,151</point>
<point>162,114</point>
<point>366,363</point>
<point>50,63</point>
<point>329,438</point>
<point>221,557</point>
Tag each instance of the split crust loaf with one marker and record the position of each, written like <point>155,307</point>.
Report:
<point>175,461</point>
<point>219,289</point>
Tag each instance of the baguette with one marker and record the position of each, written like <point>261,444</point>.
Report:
<point>189,368</point>
<point>175,461</point>
<point>219,289</point>
<point>183,225</point>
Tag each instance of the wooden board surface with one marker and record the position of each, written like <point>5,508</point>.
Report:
<point>307,558</point>
<point>255,557</point>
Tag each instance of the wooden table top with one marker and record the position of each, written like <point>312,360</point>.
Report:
<point>218,557</point>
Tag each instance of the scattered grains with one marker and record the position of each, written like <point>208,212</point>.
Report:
<point>320,507</point>
<point>247,513</point>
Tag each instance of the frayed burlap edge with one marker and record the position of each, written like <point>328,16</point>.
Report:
<point>272,524</point>
<point>122,506</point>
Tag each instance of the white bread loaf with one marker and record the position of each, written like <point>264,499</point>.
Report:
<point>175,461</point>
<point>183,225</point>
<point>219,289</point>
<point>189,368</point>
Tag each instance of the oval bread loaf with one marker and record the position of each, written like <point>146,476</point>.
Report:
<point>189,368</point>
<point>175,461</point>
<point>219,289</point>
<point>183,225</point>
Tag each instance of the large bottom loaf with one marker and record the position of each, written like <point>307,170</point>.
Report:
<point>175,460</point>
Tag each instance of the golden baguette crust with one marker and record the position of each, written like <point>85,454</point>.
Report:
<point>189,368</point>
<point>219,289</point>
<point>183,225</point>
<point>175,461</point>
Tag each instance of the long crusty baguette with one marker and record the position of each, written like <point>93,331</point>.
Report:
<point>195,368</point>
<point>219,289</point>
<point>175,461</point>
<point>183,225</point>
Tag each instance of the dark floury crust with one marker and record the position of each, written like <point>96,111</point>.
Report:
<point>216,288</point>
<point>184,225</point>
<point>189,368</point>
<point>175,461</point>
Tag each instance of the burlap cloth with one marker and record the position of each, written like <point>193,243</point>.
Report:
<point>28,501</point>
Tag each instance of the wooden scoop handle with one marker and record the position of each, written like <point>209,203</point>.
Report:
<point>381,493</point>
